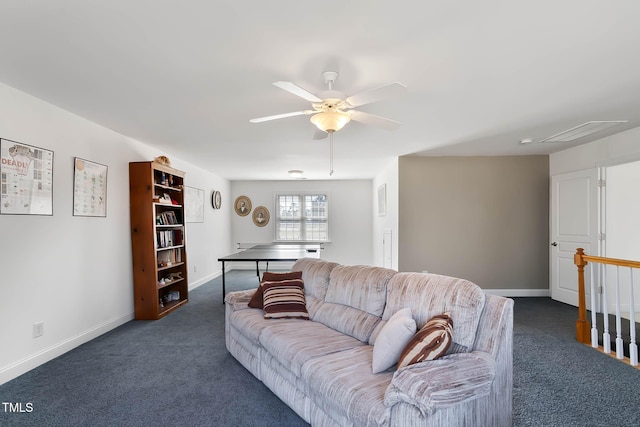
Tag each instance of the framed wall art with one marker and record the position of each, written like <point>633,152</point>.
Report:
<point>89,188</point>
<point>216,199</point>
<point>242,205</point>
<point>26,178</point>
<point>193,204</point>
<point>261,216</point>
<point>382,200</point>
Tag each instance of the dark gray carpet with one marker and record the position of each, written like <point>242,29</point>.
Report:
<point>560,382</point>
<point>177,372</point>
<point>172,372</point>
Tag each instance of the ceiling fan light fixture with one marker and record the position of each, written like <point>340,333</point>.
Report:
<point>330,121</point>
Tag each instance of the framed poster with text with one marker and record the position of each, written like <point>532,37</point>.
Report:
<point>193,204</point>
<point>27,179</point>
<point>89,188</point>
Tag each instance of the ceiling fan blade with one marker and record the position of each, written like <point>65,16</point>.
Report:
<point>377,94</point>
<point>373,120</point>
<point>281,116</point>
<point>319,134</point>
<point>297,90</point>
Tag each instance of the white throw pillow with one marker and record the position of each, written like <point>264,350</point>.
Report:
<point>392,339</point>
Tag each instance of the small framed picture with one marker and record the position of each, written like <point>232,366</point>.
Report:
<point>242,205</point>
<point>382,200</point>
<point>216,199</point>
<point>27,179</point>
<point>261,216</point>
<point>194,204</point>
<point>89,188</point>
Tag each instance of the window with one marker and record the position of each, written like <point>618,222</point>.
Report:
<point>302,217</point>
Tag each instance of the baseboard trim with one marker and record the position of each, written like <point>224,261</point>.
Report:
<point>204,280</point>
<point>517,293</point>
<point>28,363</point>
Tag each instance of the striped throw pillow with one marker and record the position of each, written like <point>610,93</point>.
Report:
<point>284,299</point>
<point>267,276</point>
<point>431,342</point>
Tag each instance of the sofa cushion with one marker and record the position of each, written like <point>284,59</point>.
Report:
<point>355,299</point>
<point>294,343</point>
<point>268,276</point>
<point>315,273</point>
<point>430,343</point>
<point>342,385</point>
<point>393,338</point>
<point>284,299</point>
<point>430,294</point>
<point>250,323</point>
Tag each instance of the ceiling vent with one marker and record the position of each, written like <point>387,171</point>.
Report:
<point>584,129</point>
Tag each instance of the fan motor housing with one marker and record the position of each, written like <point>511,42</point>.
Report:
<point>330,104</point>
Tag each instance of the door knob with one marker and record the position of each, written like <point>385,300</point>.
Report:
<point>554,244</point>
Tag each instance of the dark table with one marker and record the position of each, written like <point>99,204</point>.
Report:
<point>277,252</point>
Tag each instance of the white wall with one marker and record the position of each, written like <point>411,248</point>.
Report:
<point>388,177</point>
<point>616,153</point>
<point>623,211</point>
<point>620,148</point>
<point>350,221</point>
<point>74,273</point>
<point>623,234</point>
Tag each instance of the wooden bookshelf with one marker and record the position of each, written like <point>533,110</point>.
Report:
<point>158,239</point>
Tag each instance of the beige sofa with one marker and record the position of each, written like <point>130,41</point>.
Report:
<point>322,368</point>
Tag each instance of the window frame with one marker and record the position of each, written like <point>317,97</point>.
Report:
<point>302,221</point>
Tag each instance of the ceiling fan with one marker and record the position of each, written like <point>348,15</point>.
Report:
<point>332,109</point>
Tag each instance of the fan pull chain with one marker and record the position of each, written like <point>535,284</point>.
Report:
<point>330,153</point>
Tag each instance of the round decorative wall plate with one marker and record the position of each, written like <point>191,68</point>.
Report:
<point>242,205</point>
<point>261,216</point>
<point>216,199</point>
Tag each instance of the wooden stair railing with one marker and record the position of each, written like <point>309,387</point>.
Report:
<point>584,332</point>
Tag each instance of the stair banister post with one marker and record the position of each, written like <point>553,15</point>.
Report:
<point>582,326</point>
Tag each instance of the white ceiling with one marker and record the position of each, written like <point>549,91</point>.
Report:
<point>186,76</point>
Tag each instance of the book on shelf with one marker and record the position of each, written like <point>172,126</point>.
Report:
<point>167,218</point>
<point>169,257</point>
<point>167,238</point>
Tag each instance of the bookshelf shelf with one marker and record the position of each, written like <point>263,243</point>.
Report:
<point>169,307</point>
<point>166,248</point>
<point>167,267</point>
<point>158,239</point>
<point>170,283</point>
<point>167,187</point>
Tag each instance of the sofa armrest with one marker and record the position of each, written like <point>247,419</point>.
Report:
<point>448,381</point>
<point>239,300</point>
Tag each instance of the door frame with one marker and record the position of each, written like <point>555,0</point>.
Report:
<point>561,250</point>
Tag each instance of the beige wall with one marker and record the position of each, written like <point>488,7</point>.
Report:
<point>485,219</point>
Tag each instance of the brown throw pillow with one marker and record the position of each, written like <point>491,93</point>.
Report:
<point>284,299</point>
<point>267,276</point>
<point>430,342</point>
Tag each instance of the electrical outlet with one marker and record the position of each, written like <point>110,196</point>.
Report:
<point>38,329</point>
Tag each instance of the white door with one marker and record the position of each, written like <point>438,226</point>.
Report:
<point>574,224</point>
